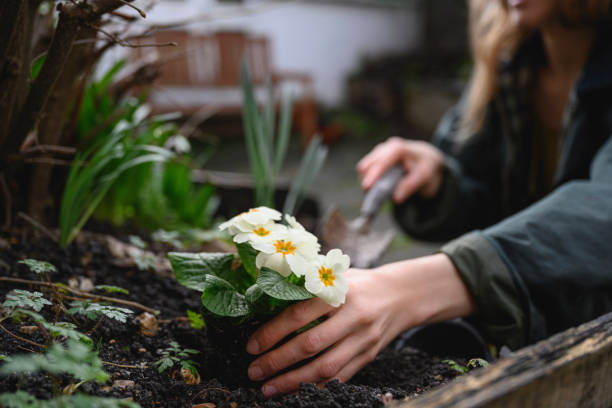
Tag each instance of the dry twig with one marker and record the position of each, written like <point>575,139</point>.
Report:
<point>80,293</point>
<point>10,333</point>
<point>37,225</point>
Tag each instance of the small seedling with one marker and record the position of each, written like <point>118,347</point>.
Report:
<point>112,289</point>
<point>39,267</point>
<point>77,359</point>
<point>196,320</point>
<point>21,399</point>
<point>175,354</point>
<point>473,363</point>
<point>93,310</point>
<point>460,369</point>
<point>476,363</point>
<point>18,298</point>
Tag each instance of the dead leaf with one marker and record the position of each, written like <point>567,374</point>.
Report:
<point>148,324</point>
<point>189,378</point>
<point>205,405</point>
<point>70,389</point>
<point>29,330</point>
<point>123,384</point>
<point>86,285</point>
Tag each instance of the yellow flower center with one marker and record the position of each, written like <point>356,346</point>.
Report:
<point>284,248</point>
<point>261,231</point>
<point>327,276</point>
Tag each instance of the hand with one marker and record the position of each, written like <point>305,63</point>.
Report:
<point>380,304</point>
<point>423,162</point>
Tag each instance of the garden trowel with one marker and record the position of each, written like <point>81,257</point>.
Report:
<point>354,238</point>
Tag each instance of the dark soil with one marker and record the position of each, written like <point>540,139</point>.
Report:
<point>397,373</point>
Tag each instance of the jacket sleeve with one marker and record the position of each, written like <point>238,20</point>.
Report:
<point>470,194</point>
<point>548,267</point>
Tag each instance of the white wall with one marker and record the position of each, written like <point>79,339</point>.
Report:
<point>325,40</point>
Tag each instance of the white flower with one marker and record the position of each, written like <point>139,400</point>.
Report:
<point>260,232</point>
<point>325,277</point>
<point>251,219</point>
<point>294,224</point>
<point>286,251</point>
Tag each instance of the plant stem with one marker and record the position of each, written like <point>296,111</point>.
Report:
<point>96,326</point>
<point>81,294</point>
<point>121,365</point>
<point>10,333</point>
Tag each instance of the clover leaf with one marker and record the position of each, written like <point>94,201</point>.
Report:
<point>38,266</point>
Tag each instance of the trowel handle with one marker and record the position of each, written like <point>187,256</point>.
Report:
<point>381,191</point>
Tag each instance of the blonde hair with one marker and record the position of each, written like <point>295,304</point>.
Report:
<point>493,35</point>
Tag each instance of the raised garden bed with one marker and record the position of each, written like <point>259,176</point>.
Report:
<point>130,356</point>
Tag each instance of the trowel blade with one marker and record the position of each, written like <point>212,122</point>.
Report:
<point>364,247</point>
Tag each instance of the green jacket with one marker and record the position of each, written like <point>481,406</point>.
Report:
<point>534,266</point>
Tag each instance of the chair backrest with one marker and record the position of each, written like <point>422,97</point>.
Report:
<point>209,59</point>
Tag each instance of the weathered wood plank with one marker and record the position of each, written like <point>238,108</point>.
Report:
<point>570,369</point>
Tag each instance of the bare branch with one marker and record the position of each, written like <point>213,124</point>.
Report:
<point>141,12</point>
<point>10,333</point>
<point>38,225</point>
<point>69,151</point>
<point>81,293</point>
<point>125,43</point>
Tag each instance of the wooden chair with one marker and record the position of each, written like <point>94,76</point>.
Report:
<point>203,72</point>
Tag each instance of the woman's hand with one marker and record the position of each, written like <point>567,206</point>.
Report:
<point>423,162</point>
<point>380,304</point>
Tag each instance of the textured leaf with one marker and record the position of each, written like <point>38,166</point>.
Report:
<point>254,294</point>
<point>76,359</point>
<point>277,286</point>
<point>94,310</point>
<point>21,399</point>
<point>247,256</point>
<point>191,269</point>
<point>25,299</point>
<point>66,329</point>
<point>196,320</point>
<point>221,298</point>
<point>38,266</point>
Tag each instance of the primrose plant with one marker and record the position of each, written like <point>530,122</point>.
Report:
<point>278,263</point>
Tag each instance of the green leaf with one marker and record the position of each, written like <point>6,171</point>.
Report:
<point>456,366</point>
<point>76,359</point>
<point>196,320</point>
<point>309,169</point>
<point>247,255</point>
<point>191,269</point>
<point>221,298</point>
<point>25,299</point>
<point>277,286</point>
<point>284,132</point>
<point>163,364</point>
<point>112,289</point>
<point>477,362</point>
<point>38,266</point>
<point>19,399</point>
<point>254,294</point>
<point>37,65</point>
<point>22,399</point>
<point>66,329</point>
<point>94,310</point>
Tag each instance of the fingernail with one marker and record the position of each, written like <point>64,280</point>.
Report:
<point>252,347</point>
<point>255,373</point>
<point>268,390</point>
